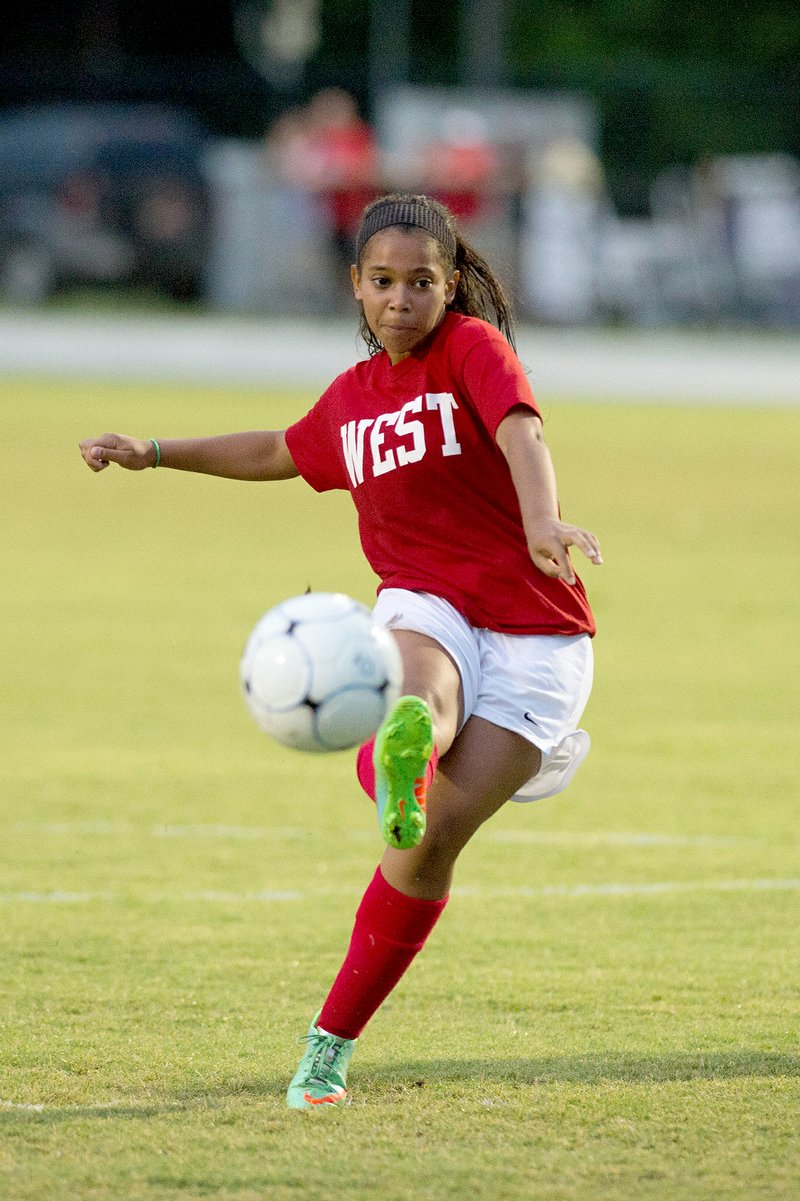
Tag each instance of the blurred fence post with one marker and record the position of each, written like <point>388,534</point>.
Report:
<point>482,38</point>
<point>389,51</point>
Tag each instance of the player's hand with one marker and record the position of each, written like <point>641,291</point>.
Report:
<point>134,454</point>
<point>548,546</point>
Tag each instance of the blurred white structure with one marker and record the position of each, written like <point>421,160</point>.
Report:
<point>722,243</point>
<point>563,210</point>
<point>268,249</point>
<point>408,118</point>
<point>761,201</point>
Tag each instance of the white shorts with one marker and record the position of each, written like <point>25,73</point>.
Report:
<point>534,684</point>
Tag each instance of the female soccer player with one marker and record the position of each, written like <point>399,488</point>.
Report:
<point>439,441</point>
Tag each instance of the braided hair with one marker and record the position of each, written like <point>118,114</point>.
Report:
<point>479,292</point>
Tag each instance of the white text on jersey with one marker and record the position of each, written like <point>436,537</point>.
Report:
<point>406,445</point>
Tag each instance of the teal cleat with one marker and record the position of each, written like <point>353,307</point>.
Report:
<point>321,1077</point>
<point>403,748</point>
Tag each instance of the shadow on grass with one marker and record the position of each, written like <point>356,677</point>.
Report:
<point>619,1067</point>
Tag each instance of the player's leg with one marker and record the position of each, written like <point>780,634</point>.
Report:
<point>390,927</point>
<point>483,768</point>
<point>485,765</point>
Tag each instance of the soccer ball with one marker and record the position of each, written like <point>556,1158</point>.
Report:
<point>318,674</point>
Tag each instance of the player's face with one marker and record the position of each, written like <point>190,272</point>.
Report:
<point>403,287</point>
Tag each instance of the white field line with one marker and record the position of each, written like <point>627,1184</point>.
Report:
<point>653,888</point>
<point>210,830</point>
<point>54,897</point>
<point>467,892</point>
<point>619,838</point>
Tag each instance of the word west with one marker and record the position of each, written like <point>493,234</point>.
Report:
<point>396,439</point>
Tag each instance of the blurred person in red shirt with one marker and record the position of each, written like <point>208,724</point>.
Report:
<point>333,152</point>
<point>462,165</point>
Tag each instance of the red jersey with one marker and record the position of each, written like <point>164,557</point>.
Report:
<point>414,443</point>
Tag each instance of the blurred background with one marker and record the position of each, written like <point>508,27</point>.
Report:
<point>630,163</point>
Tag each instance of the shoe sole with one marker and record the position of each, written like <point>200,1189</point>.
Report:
<point>296,1099</point>
<point>403,748</point>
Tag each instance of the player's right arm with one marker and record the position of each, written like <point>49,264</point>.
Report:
<point>256,455</point>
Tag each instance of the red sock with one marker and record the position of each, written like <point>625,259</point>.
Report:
<point>365,769</point>
<point>391,928</point>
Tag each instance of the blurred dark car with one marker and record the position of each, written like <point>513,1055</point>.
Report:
<point>99,196</point>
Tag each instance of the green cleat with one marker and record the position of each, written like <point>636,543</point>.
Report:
<point>403,748</point>
<point>321,1077</point>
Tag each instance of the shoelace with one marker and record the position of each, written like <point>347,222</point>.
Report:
<point>326,1056</point>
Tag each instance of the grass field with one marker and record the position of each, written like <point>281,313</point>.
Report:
<point>609,1008</point>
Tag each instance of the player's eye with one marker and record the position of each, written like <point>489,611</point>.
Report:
<point>423,284</point>
<point>380,281</point>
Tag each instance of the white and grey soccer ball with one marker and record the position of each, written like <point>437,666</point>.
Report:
<point>318,674</point>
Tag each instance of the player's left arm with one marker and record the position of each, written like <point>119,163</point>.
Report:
<point>520,438</point>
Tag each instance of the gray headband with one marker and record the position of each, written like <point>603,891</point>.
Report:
<point>406,212</point>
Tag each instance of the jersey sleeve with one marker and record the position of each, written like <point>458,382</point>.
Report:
<point>313,448</point>
<point>495,379</point>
